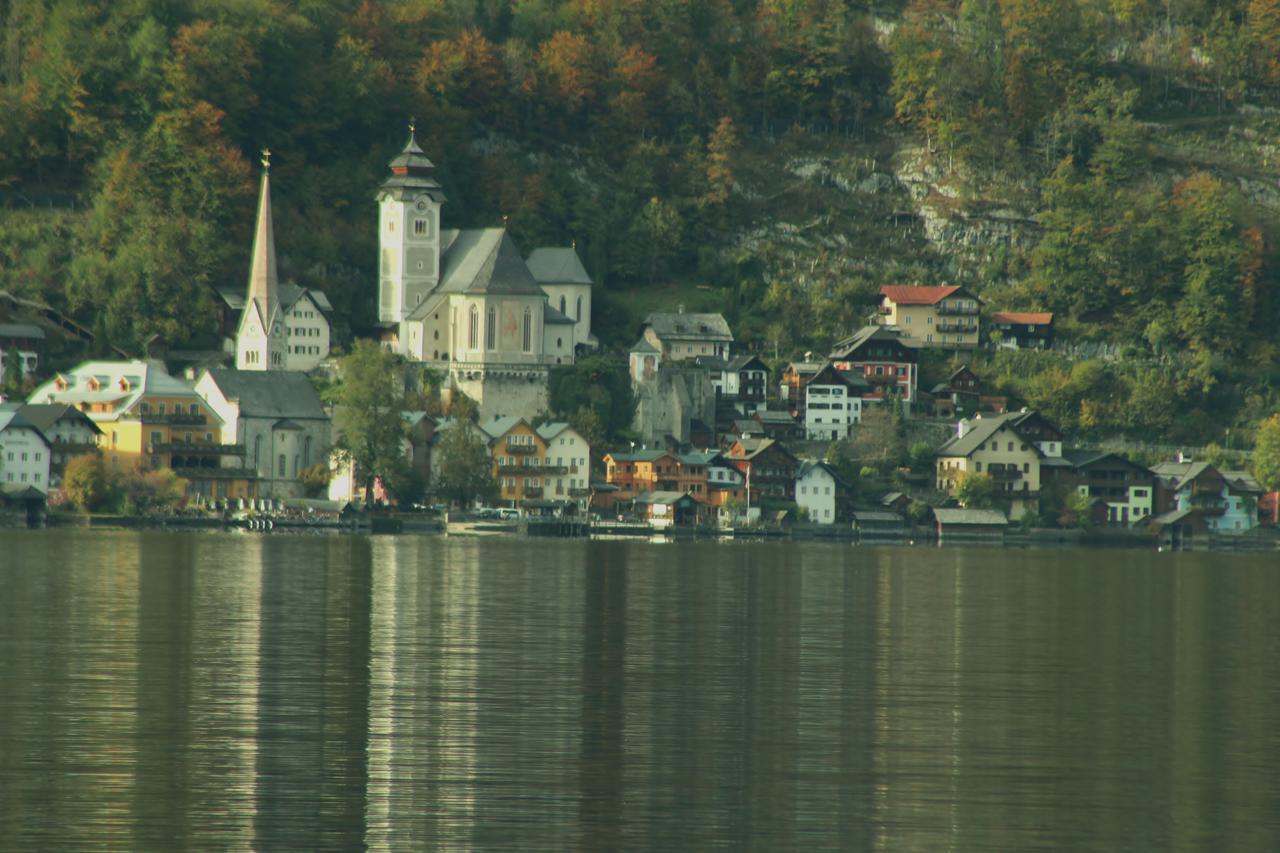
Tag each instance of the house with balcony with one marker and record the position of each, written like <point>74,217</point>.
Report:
<point>1226,501</point>
<point>566,448</point>
<point>1124,488</point>
<point>833,403</point>
<point>150,419</point>
<point>273,420</point>
<point>768,470</point>
<point>945,316</point>
<point>1002,447</point>
<point>887,359</point>
<point>1022,329</point>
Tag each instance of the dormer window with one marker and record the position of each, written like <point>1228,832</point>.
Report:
<point>93,383</point>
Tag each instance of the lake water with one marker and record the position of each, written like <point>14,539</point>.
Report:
<point>232,692</point>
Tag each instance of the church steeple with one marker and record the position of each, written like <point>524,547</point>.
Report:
<point>264,285</point>
<point>409,203</point>
<point>260,340</point>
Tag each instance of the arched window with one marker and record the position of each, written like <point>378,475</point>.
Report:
<point>473,331</point>
<point>257,451</point>
<point>562,305</point>
<point>491,329</point>
<point>306,452</point>
<point>527,343</point>
<point>577,314</point>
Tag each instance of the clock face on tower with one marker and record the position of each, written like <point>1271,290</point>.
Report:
<point>422,205</point>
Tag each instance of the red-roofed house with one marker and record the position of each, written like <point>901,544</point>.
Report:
<point>1022,329</point>
<point>945,316</point>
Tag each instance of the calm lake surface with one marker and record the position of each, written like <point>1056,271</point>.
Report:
<point>232,692</point>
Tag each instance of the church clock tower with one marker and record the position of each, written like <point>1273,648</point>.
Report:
<point>261,340</point>
<point>408,234</point>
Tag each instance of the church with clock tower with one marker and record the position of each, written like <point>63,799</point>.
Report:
<point>468,303</point>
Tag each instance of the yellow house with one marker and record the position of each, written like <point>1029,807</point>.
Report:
<point>996,447</point>
<point>521,466</point>
<point>151,420</point>
<point>931,316</point>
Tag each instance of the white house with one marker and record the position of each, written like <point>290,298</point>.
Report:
<point>70,432</point>
<point>25,453</point>
<point>820,491</point>
<point>568,449</point>
<point>832,403</point>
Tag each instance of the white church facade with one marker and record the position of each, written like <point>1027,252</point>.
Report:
<point>468,303</point>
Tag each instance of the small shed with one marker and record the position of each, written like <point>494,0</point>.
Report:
<point>668,509</point>
<point>1181,530</point>
<point>981,526</point>
<point>878,526</point>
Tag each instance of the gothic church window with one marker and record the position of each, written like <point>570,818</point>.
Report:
<point>527,343</point>
<point>473,331</point>
<point>491,329</point>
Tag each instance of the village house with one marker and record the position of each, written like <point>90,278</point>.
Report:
<point>958,394</point>
<point>821,492</point>
<point>768,468</point>
<point>1126,489</point>
<point>1022,329</point>
<point>71,433</point>
<point>833,403</point>
<point>944,316</point>
<point>307,317</point>
<point>666,509</point>
<point>739,382</point>
<point>1227,501</point>
<point>682,336</point>
<point>566,448</point>
<point>27,339</point>
<point>274,420</point>
<point>25,454</point>
<point>970,526</point>
<point>1005,448</point>
<point>794,377</point>
<point>150,419</point>
<point>887,360</point>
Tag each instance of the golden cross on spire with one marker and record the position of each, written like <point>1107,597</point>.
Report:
<point>266,158</point>
<point>413,125</point>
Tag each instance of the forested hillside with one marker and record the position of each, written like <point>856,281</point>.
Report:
<point>1114,161</point>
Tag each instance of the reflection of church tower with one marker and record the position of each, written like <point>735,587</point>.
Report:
<point>261,343</point>
<point>408,233</point>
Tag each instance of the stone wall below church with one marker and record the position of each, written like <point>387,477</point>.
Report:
<point>519,391</point>
<point>667,404</point>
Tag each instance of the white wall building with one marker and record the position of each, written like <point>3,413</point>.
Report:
<point>565,447</point>
<point>25,453</point>
<point>832,404</point>
<point>818,491</point>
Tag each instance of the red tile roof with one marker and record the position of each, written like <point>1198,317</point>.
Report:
<point>913,294</point>
<point>1022,317</point>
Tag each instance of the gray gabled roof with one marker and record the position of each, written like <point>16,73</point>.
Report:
<point>500,426</point>
<point>484,260</point>
<point>970,516</point>
<point>21,330</point>
<point>548,431</point>
<point>45,415</point>
<point>689,326</point>
<point>553,317</point>
<point>557,266</point>
<point>288,293</point>
<point>982,429</point>
<point>276,394</point>
<point>663,497</point>
<point>866,334</point>
<point>810,465</point>
<point>643,346</point>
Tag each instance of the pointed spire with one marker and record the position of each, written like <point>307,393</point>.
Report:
<point>263,276</point>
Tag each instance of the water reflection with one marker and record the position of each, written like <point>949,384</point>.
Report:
<point>171,692</point>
